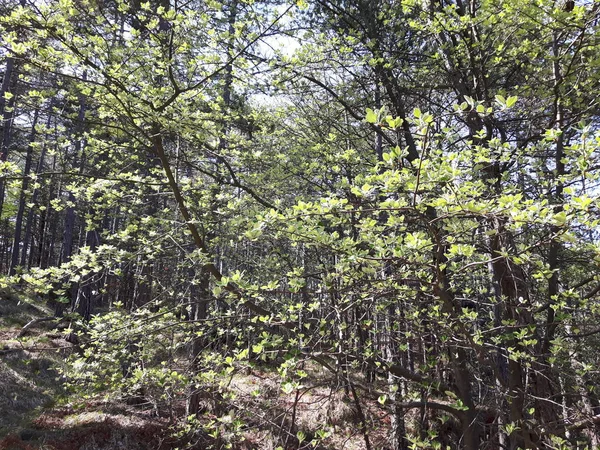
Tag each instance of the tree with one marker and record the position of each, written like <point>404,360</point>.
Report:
<point>416,212</point>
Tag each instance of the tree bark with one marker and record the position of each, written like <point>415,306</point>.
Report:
<point>27,244</point>
<point>7,114</point>
<point>199,294</point>
<point>70,217</point>
<point>22,199</point>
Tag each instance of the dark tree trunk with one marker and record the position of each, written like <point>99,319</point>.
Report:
<point>70,218</point>
<point>84,303</point>
<point>22,199</point>
<point>199,295</point>
<point>31,214</point>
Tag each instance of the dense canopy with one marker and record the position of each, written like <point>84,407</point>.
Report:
<point>397,200</point>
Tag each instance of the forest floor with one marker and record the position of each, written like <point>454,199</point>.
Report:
<point>36,411</point>
<point>33,411</point>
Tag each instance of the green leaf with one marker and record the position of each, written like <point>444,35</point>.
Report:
<point>301,436</point>
<point>371,116</point>
<point>257,348</point>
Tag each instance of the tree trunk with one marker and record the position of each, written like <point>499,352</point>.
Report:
<point>7,114</point>
<point>22,199</point>
<point>70,217</point>
<point>27,244</point>
<point>510,281</point>
<point>199,295</point>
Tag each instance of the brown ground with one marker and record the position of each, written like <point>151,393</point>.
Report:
<point>34,413</point>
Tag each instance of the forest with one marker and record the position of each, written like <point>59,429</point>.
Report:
<point>300,224</point>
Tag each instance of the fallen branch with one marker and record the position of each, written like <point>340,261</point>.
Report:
<point>33,323</point>
<point>590,422</point>
<point>6,351</point>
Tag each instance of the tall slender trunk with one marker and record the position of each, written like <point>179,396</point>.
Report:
<point>30,212</point>
<point>70,217</point>
<point>397,387</point>
<point>22,197</point>
<point>48,228</point>
<point>225,124</point>
<point>510,280</point>
<point>7,114</point>
<point>89,289</point>
<point>378,138</point>
<point>199,295</point>
<point>550,412</point>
